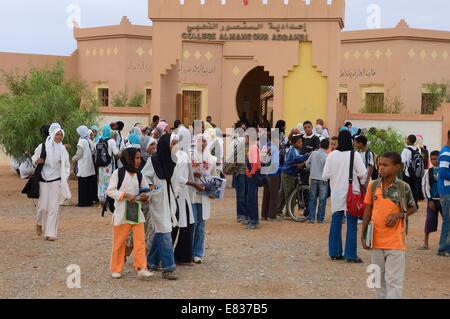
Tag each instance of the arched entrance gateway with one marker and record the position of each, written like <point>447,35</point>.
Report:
<point>254,98</point>
<point>276,59</point>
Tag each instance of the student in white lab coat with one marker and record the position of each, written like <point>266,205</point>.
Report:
<point>87,180</point>
<point>53,187</point>
<point>204,165</point>
<point>182,235</point>
<point>123,196</point>
<point>159,170</point>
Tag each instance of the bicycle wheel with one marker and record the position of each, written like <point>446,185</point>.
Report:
<point>297,204</point>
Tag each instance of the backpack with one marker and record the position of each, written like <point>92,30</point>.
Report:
<point>102,157</point>
<point>109,203</point>
<point>416,167</point>
<point>403,203</point>
<point>375,168</point>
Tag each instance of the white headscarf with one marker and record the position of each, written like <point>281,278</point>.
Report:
<point>151,140</point>
<point>83,131</point>
<point>52,128</point>
<point>54,150</point>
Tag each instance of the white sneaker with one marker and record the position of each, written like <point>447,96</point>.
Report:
<point>116,275</point>
<point>144,274</point>
<point>197,260</point>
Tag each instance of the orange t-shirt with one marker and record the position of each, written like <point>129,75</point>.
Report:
<point>388,238</point>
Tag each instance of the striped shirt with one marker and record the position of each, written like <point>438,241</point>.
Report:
<point>444,171</point>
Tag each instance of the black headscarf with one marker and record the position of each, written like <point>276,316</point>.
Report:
<point>162,160</point>
<point>345,142</point>
<point>281,126</point>
<point>128,159</point>
<point>45,131</point>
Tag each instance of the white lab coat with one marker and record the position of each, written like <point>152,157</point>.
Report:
<point>163,214</point>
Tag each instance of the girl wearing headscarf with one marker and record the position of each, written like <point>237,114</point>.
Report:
<point>204,165</point>
<point>336,170</point>
<point>123,196</point>
<point>134,140</point>
<point>159,170</point>
<point>53,187</point>
<point>104,173</point>
<point>182,234</point>
<point>87,181</point>
<point>95,134</point>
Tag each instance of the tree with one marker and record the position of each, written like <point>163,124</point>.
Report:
<point>40,97</point>
<point>382,141</point>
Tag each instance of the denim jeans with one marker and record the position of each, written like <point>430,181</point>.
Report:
<point>161,252</point>
<point>252,200</point>
<point>444,242</point>
<point>198,246</point>
<point>240,185</point>
<point>335,239</point>
<point>318,189</point>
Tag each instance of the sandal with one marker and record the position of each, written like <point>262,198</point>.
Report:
<point>355,261</point>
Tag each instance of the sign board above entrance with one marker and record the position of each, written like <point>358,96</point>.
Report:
<point>247,32</point>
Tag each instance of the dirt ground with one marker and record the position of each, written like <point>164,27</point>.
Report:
<point>279,260</point>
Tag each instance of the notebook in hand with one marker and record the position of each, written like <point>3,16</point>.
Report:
<point>132,211</point>
<point>369,235</point>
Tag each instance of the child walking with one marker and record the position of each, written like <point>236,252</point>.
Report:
<point>389,203</point>
<point>124,188</point>
<point>431,192</point>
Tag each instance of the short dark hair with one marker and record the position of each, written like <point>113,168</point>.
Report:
<point>434,153</point>
<point>348,124</point>
<point>209,117</point>
<point>155,118</point>
<point>307,123</point>
<point>448,134</point>
<point>296,138</point>
<point>325,144</point>
<point>412,139</point>
<point>394,157</point>
<point>361,139</point>
<point>335,138</point>
<point>176,124</point>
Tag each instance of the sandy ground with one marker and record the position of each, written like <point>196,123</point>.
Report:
<point>279,260</point>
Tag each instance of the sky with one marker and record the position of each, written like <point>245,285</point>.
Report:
<point>43,26</point>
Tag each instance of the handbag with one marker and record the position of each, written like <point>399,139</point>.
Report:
<point>232,168</point>
<point>355,202</point>
<point>31,189</point>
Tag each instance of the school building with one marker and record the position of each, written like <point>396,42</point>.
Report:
<point>272,60</point>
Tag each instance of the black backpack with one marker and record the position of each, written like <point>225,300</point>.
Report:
<point>109,203</point>
<point>102,157</point>
<point>416,167</point>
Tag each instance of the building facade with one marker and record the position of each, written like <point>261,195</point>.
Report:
<point>264,60</point>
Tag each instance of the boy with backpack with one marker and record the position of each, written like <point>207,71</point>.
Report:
<point>431,192</point>
<point>413,167</point>
<point>368,158</point>
<point>389,204</point>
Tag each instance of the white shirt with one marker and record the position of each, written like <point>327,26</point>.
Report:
<point>85,162</point>
<point>163,214</point>
<point>183,174</point>
<point>406,158</point>
<point>336,170</point>
<point>130,185</point>
<point>370,158</point>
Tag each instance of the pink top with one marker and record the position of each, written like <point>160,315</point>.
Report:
<point>255,162</point>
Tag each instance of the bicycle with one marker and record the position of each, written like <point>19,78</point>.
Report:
<point>297,204</point>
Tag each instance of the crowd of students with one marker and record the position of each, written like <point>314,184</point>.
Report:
<point>153,182</point>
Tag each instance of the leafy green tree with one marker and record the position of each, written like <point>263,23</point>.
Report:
<point>120,99</point>
<point>137,100</point>
<point>382,141</point>
<point>40,97</point>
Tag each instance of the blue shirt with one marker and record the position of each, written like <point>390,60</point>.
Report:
<point>444,171</point>
<point>293,156</point>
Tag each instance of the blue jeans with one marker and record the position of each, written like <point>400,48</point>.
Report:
<point>161,252</point>
<point>444,242</point>
<point>252,200</point>
<point>335,239</point>
<point>317,189</point>
<point>240,185</point>
<point>198,246</point>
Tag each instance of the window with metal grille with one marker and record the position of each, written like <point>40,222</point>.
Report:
<point>103,96</point>
<point>191,106</point>
<point>375,102</point>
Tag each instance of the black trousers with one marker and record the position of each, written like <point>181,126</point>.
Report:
<point>415,185</point>
<point>87,191</point>
<point>183,240</point>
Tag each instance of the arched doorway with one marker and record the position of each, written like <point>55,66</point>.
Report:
<point>254,99</point>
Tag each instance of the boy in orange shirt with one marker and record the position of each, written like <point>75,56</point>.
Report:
<point>389,203</point>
